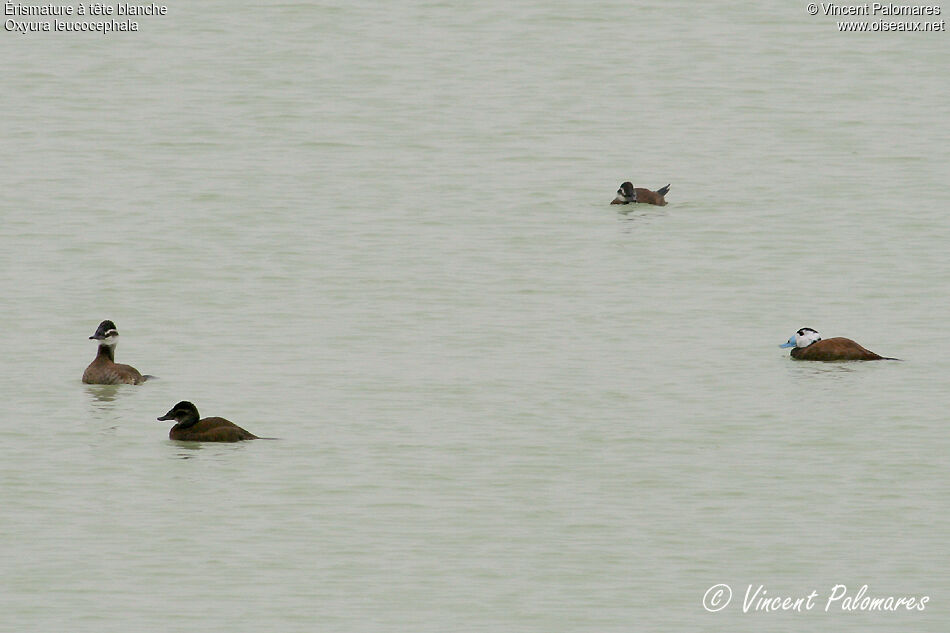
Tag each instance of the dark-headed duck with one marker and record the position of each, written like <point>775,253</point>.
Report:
<point>191,428</point>
<point>809,345</point>
<point>628,193</point>
<point>104,370</point>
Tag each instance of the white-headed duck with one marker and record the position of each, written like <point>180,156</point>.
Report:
<point>190,427</point>
<point>808,345</point>
<point>629,194</point>
<point>104,370</point>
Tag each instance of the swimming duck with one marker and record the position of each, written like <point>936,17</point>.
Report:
<point>809,345</point>
<point>104,370</point>
<point>190,428</point>
<point>628,193</point>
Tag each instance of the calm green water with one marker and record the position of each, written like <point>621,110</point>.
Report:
<point>382,235</point>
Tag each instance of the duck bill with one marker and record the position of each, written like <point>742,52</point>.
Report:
<point>619,200</point>
<point>167,416</point>
<point>787,345</point>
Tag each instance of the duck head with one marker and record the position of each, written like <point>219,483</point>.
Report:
<point>626,194</point>
<point>802,338</point>
<point>106,334</point>
<point>184,413</point>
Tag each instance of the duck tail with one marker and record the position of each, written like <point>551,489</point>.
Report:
<point>663,190</point>
<point>889,358</point>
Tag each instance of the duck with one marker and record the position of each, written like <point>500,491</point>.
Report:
<point>190,427</point>
<point>628,193</point>
<point>808,345</point>
<point>103,370</point>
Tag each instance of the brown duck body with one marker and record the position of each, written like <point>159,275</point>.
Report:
<point>838,348</point>
<point>210,430</point>
<point>646,196</point>
<point>105,371</point>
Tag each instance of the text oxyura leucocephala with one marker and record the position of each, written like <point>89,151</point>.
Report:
<point>808,345</point>
<point>191,428</point>
<point>104,370</point>
<point>628,194</point>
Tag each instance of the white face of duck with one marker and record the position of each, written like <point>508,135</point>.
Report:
<point>803,338</point>
<point>106,334</point>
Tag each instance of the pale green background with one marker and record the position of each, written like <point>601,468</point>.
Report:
<point>380,232</point>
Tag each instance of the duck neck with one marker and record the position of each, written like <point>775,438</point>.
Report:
<point>108,351</point>
<point>189,421</point>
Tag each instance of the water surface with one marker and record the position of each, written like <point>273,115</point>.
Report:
<point>381,234</point>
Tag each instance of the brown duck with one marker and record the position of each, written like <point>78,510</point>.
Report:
<point>191,428</point>
<point>104,370</point>
<point>628,194</point>
<point>808,345</point>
